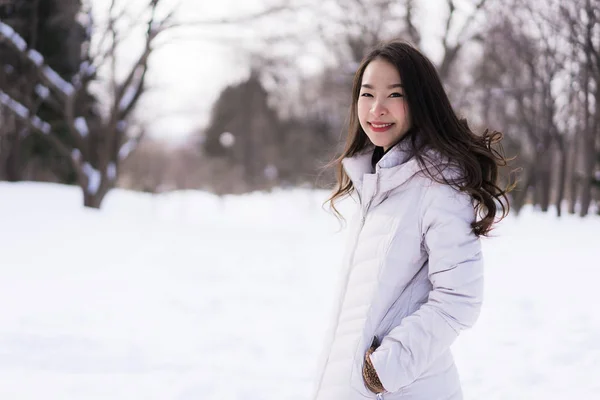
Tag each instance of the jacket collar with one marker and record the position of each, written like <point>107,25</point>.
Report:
<point>393,169</point>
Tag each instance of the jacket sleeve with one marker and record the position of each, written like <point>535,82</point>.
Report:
<point>456,275</point>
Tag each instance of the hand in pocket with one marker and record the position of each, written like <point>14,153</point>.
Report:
<point>369,374</point>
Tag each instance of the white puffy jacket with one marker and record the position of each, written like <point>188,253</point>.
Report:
<point>412,277</point>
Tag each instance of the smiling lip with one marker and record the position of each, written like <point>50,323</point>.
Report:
<point>380,127</point>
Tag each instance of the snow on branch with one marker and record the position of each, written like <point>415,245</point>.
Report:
<point>42,91</point>
<point>86,72</point>
<point>36,57</point>
<point>23,113</point>
<point>86,68</point>
<point>94,178</point>
<point>128,97</point>
<point>40,125</point>
<point>15,106</point>
<point>76,155</point>
<point>58,82</point>
<point>82,126</point>
<point>121,126</point>
<point>53,79</point>
<point>111,171</point>
<point>12,36</point>
<point>127,148</point>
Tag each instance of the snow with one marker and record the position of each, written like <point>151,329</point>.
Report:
<point>41,125</point>
<point>127,148</point>
<point>42,91</point>
<point>35,57</point>
<point>58,82</point>
<point>23,113</point>
<point>94,178</point>
<point>121,125</point>
<point>127,98</point>
<point>6,30</point>
<point>189,296</point>
<point>155,27</point>
<point>10,34</point>
<point>14,105</point>
<point>227,139</point>
<point>111,171</point>
<point>87,69</point>
<point>76,154</point>
<point>82,126</point>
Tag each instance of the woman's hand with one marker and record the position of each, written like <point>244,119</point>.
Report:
<point>370,375</point>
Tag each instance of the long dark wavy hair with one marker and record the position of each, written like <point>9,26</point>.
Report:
<point>435,126</point>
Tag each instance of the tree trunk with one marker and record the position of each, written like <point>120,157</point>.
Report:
<point>520,194</point>
<point>562,177</point>
<point>589,142</point>
<point>94,200</point>
<point>544,179</point>
<point>13,168</point>
<point>588,172</point>
<point>10,149</point>
<point>535,183</point>
<point>573,175</point>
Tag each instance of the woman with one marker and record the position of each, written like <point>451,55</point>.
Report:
<point>413,274</point>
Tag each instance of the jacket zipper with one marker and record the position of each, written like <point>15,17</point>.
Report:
<point>365,210</point>
<point>378,396</point>
<point>363,218</point>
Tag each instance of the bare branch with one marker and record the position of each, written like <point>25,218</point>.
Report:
<point>23,114</point>
<point>37,125</point>
<point>470,20</point>
<point>451,51</point>
<point>48,76</point>
<point>452,10</point>
<point>413,32</point>
<point>129,146</point>
<point>238,20</point>
<point>138,71</point>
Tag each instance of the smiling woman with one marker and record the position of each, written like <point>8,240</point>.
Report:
<point>382,109</point>
<point>413,272</point>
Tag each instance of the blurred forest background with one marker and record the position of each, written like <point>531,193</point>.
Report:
<point>70,113</point>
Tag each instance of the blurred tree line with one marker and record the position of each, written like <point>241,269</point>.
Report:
<point>528,69</point>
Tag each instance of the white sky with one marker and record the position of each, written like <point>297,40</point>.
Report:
<point>188,72</point>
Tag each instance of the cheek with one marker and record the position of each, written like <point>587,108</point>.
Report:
<point>402,111</point>
<point>362,111</point>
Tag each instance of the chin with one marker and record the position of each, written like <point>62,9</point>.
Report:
<point>384,143</point>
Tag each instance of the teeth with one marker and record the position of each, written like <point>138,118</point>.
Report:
<point>380,126</point>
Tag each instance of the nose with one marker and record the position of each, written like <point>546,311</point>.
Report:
<point>378,109</point>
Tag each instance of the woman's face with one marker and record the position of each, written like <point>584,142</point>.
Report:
<point>382,108</point>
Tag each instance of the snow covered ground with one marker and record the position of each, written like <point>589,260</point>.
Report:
<point>187,296</point>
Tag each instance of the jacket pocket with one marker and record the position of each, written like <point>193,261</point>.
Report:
<point>357,381</point>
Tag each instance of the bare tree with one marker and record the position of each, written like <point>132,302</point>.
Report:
<point>351,28</point>
<point>99,139</point>
<point>583,19</point>
<point>96,144</point>
<point>539,62</point>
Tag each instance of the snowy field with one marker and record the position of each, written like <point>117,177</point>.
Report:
<point>187,296</point>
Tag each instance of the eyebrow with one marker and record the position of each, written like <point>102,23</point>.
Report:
<point>395,85</point>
